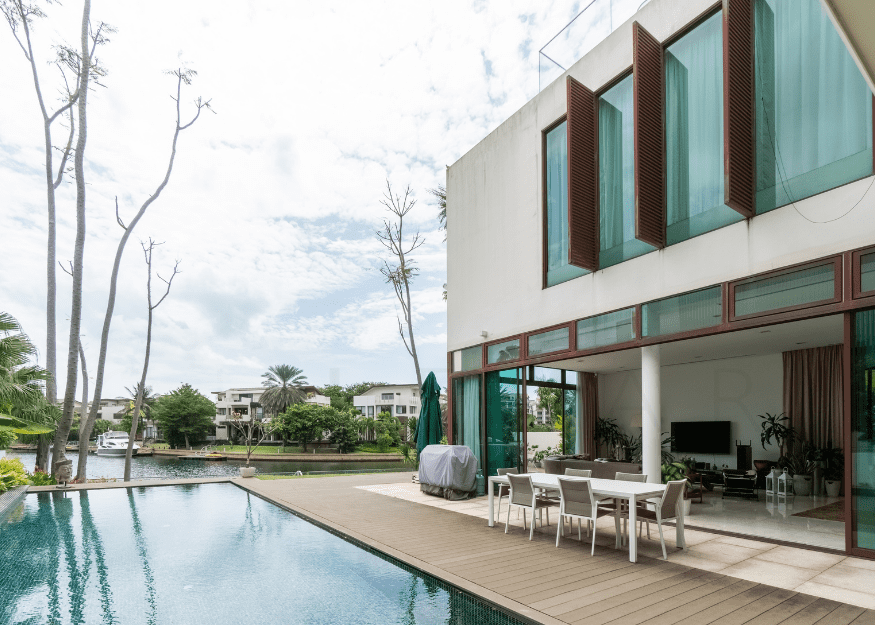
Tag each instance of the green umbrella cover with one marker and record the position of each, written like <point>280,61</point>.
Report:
<point>429,430</point>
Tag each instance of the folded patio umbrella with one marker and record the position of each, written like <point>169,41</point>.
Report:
<point>429,430</point>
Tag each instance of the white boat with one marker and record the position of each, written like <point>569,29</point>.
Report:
<point>114,444</point>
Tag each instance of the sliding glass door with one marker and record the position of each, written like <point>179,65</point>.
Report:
<point>505,440</point>
<point>862,450</point>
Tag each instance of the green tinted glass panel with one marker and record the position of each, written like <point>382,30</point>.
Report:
<point>867,272</point>
<point>503,433</point>
<point>609,329</point>
<point>682,313</point>
<point>548,342</point>
<point>813,107</point>
<point>863,429</point>
<point>502,352</point>
<point>466,414</point>
<point>569,420</point>
<point>694,134</point>
<point>617,177</point>
<point>806,286</point>
<point>472,358</point>
<point>558,269</point>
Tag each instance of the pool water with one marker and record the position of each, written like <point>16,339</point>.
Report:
<point>207,553</point>
<point>173,468</point>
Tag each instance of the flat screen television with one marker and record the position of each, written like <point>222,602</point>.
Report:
<point>701,437</point>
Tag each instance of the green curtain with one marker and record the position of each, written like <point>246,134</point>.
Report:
<point>694,134</point>
<point>814,109</point>
<point>617,177</point>
<point>471,416</point>
<point>558,269</point>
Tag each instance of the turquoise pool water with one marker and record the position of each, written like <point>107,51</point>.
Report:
<point>208,553</point>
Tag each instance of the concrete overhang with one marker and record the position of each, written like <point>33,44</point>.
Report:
<point>855,22</point>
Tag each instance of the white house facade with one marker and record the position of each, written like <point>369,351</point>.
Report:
<point>700,187</point>
<point>244,402</point>
<point>399,400</point>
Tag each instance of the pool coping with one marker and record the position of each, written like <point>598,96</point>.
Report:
<point>131,484</point>
<point>10,500</point>
<point>495,600</point>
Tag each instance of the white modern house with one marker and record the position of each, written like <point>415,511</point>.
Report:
<point>399,400</point>
<point>701,186</point>
<point>243,402</point>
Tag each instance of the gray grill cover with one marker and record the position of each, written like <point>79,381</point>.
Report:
<point>450,470</point>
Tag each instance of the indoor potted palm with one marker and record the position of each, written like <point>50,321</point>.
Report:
<point>674,471</point>
<point>834,458</point>
<point>800,464</point>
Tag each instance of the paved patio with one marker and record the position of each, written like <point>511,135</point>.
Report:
<point>720,580</point>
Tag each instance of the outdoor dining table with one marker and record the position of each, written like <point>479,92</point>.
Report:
<point>602,489</point>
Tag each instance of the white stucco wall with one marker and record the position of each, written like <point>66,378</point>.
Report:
<point>734,389</point>
<point>495,227</point>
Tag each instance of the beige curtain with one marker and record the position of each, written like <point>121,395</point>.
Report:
<point>588,390</point>
<point>813,398</point>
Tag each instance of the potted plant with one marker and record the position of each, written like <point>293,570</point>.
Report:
<point>538,456</point>
<point>775,426</point>
<point>674,471</point>
<point>800,464</point>
<point>834,458</point>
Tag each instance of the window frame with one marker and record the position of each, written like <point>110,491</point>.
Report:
<point>836,262</point>
<point>857,291</point>
<point>544,221</point>
<point>501,365</point>
<point>572,341</point>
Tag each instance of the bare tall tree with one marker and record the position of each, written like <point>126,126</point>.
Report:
<point>20,17</point>
<point>183,77</point>
<point>401,270</point>
<point>88,41</point>
<point>135,418</point>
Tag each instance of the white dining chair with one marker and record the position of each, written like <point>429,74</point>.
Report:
<point>524,497</point>
<point>503,489</point>
<point>576,501</point>
<point>665,510</point>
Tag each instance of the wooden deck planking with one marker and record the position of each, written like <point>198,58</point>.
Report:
<point>534,578</point>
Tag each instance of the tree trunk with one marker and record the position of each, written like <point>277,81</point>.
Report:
<point>135,418</point>
<point>42,454</point>
<point>79,251</point>
<point>84,430</point>
<point>187,445</point>
<point>410,328</point>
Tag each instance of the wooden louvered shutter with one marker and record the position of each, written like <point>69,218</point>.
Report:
<point>647,80</point>
<point>583,199</point>
<point>739,119</point>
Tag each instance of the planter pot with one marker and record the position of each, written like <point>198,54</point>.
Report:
<point>802,484</point>
<point>247,471</point>
<point>832,487</point>
<point>537,464</point>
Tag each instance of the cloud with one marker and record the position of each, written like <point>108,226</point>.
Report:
<point>274,200</point>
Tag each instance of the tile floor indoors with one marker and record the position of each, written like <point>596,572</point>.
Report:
<point>832,576</point>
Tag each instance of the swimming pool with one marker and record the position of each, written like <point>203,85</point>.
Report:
<point>208,553</point>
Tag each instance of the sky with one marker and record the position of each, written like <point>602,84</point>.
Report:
<point>274,199</point>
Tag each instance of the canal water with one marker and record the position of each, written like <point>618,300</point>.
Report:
<point>167,467</point>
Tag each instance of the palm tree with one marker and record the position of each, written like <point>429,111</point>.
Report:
<point>23,409</point>
<point>284,387</point>
<point>149,399</point>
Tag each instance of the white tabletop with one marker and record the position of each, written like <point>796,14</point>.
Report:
<point>611,488</point>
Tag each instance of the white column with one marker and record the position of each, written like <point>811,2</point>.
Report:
<point>651,419</point>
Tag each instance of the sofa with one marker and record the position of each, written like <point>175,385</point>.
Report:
<point>601,470</point>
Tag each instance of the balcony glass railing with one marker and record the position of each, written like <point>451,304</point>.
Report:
<point>589,28</point>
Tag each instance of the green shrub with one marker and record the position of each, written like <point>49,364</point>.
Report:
<point>6,438</point>
<point>12,474</point>
<point>39,478</point>
<point>384,442</point>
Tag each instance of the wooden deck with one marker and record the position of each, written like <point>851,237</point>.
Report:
<point>537,580</point>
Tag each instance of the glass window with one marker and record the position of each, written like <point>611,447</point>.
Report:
<point>504,434</point>
<point>617,177</point>
<point>220,411</point>
<point>370,411</point>
<point>805,286</point>
<point>863,430</point>
<point>813,107</point>
<point>501,352</point>
<point>400,409</point>
<point>558,269</point>
<point>547,342</point>
<point>413,410</point>
<point>470,358</point>
<point>387,396</point>
<point>609,329</point>
<point>694,134</point>
<point>867,272</point>
<point>682,313</point>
